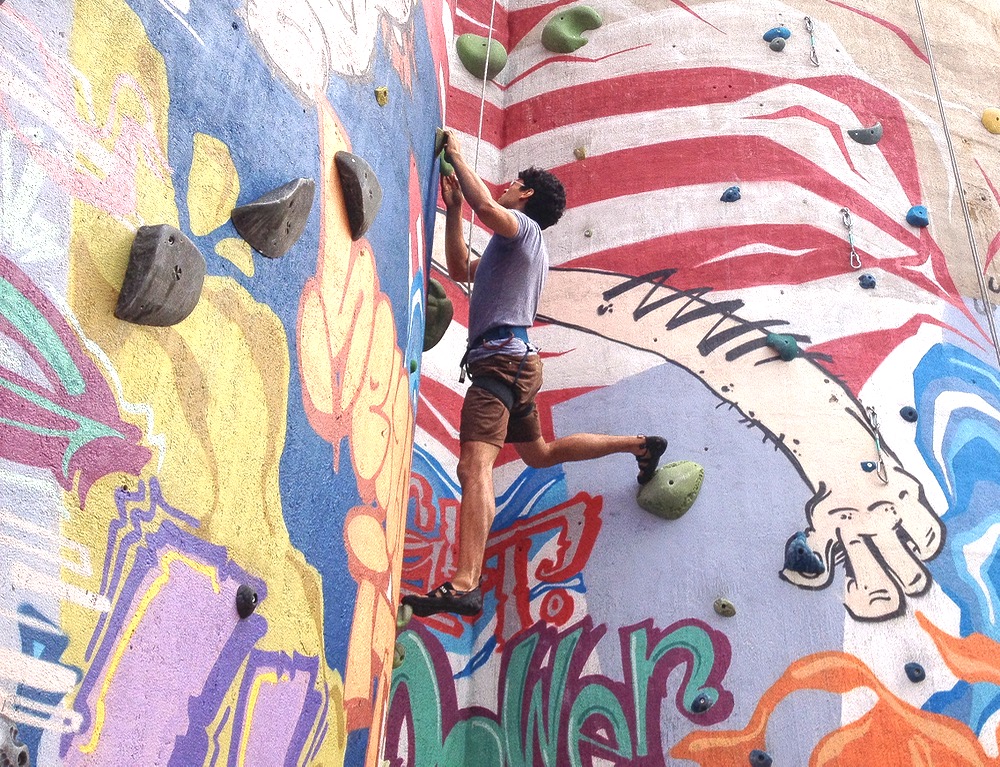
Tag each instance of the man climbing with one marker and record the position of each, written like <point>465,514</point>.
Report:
<point>504,365</point>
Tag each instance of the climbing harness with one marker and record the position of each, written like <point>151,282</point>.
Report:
<point>879,464</point>
<point>958,181</point>
<point>849,223</point>
<point>812,42</point>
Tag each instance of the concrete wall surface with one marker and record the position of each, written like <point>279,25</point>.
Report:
<point>599,643</point>
<point>147,473</point>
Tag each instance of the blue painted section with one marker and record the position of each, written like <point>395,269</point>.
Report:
<point>968,470</point>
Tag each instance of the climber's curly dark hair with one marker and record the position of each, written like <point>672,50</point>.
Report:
<point>548,202</point>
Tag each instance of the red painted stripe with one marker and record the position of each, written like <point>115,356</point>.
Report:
<point>895,29</point>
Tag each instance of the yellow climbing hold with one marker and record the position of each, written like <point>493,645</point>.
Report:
<point>213,185</point>
<point>991,119</point>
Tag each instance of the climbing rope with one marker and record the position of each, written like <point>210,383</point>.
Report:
<point>980,272</point>
<point>812,42</point>
<point>845,214</point>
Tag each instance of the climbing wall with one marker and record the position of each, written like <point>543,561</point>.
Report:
<point>768,258</point>
<point>210,333</point>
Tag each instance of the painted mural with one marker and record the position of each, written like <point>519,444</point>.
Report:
<point>264,442</point>
<point>598,643</point>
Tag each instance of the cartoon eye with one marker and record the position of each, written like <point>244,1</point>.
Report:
<point>868,466</point>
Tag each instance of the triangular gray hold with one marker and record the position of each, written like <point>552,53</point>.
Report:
<point>870,135</point>
<point>163,279</point>
<point>272,223</point>
<point>362,192</point>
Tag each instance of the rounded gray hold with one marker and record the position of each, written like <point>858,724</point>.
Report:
<point>362,192</point>
<point>724,607</point>
<point>246,601</point>
<point>867,136</point>
<point>777,44</point>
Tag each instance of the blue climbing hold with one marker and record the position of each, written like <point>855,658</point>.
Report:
<point>800,558</point>
<point>760,758</point>
<point>782,32</point>
<point>701,704</point>
<point>868,466</point>
<point>866,281</point>
<point>915,672</point>
<point>917,216</point>
<point>908,414</point>
<point>732,194</point>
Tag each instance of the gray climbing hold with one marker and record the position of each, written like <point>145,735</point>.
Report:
<point>908,414</point>
<point>563,32</point>
<point>800,558</point>
<point>917,216</point>
<point>777,44</point>
<point>732,194</point>
<point>866,281</point>
<point>867,136</point>
<point>398,655</point>
<point>786,345</point>
<point>760,758</point>
<point>724,607</point>
<point>672,490</point>
<point>13,753</point>
<point>915,672</point>
<point>403,615</point>
<point>439,313</point>
<point>273,222</point>
<point>163,279</point>
<point>472,53</point>
<point>775,32</point>
<point>362,192</point>
<point>868,466</point>
<point>701,704</point>
<point>246,601</point>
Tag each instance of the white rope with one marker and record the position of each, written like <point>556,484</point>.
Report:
<point>961,191</point>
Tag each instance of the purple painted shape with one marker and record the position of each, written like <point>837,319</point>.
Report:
<point>181,659</point>
<point>96,458</point>
<point>280,729</point>
<point>215,738</point>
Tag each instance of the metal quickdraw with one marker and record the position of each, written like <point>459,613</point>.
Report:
<point>812,42</point>
<point>880,464</point>
<point>849,223</point>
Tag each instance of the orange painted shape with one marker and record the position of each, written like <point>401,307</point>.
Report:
<point>975,658</point>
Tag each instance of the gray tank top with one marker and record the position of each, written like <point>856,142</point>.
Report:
<point>509,279</point>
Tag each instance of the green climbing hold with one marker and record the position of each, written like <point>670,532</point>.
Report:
<point>439,314</point>
<point>672,490</point>
<point>445,167</point>
<point>413,366</point>
<point>472,53</point>
<point>562,33</point>
<point>786,345</point>
<point>403,615</point>
<point>398,655</point>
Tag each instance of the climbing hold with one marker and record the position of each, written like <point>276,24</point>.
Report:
<point>917,216</point>
<point>991,120</point>
<point>783,32</point>
<point>732,194</point>
<point>588,232</point>
<point>439,314</point>
<point>701,704</point>
<point>562,33</point>
<point>273,222</point>
<point>786,345</point>
<point>800,558</point>
<point>13,753</point>
<point>724,607</point>
<point>472,53</point>
<point>868,466</point>
<point>869,136</point>
<point>440,137</point>
<point>362,192</point>
<point>580,153</point>
<point>403,615</point>
<point>672,490</point>
<point>413,366</point>
<point>915,672</point>
<point>777,44</point>
<point>445,167</point>
<point>398,655</point>
<point>246,601</point>
<point>866,281</point>
<point>382,95</point>
<point>908,414</point>
<point>163,278</point>
<point>760,758</point>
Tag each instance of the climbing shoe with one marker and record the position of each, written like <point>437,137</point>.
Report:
<point>652,449</point>
<point>446,599</point>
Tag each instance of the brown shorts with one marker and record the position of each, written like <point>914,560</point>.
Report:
<point>486,419</point>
